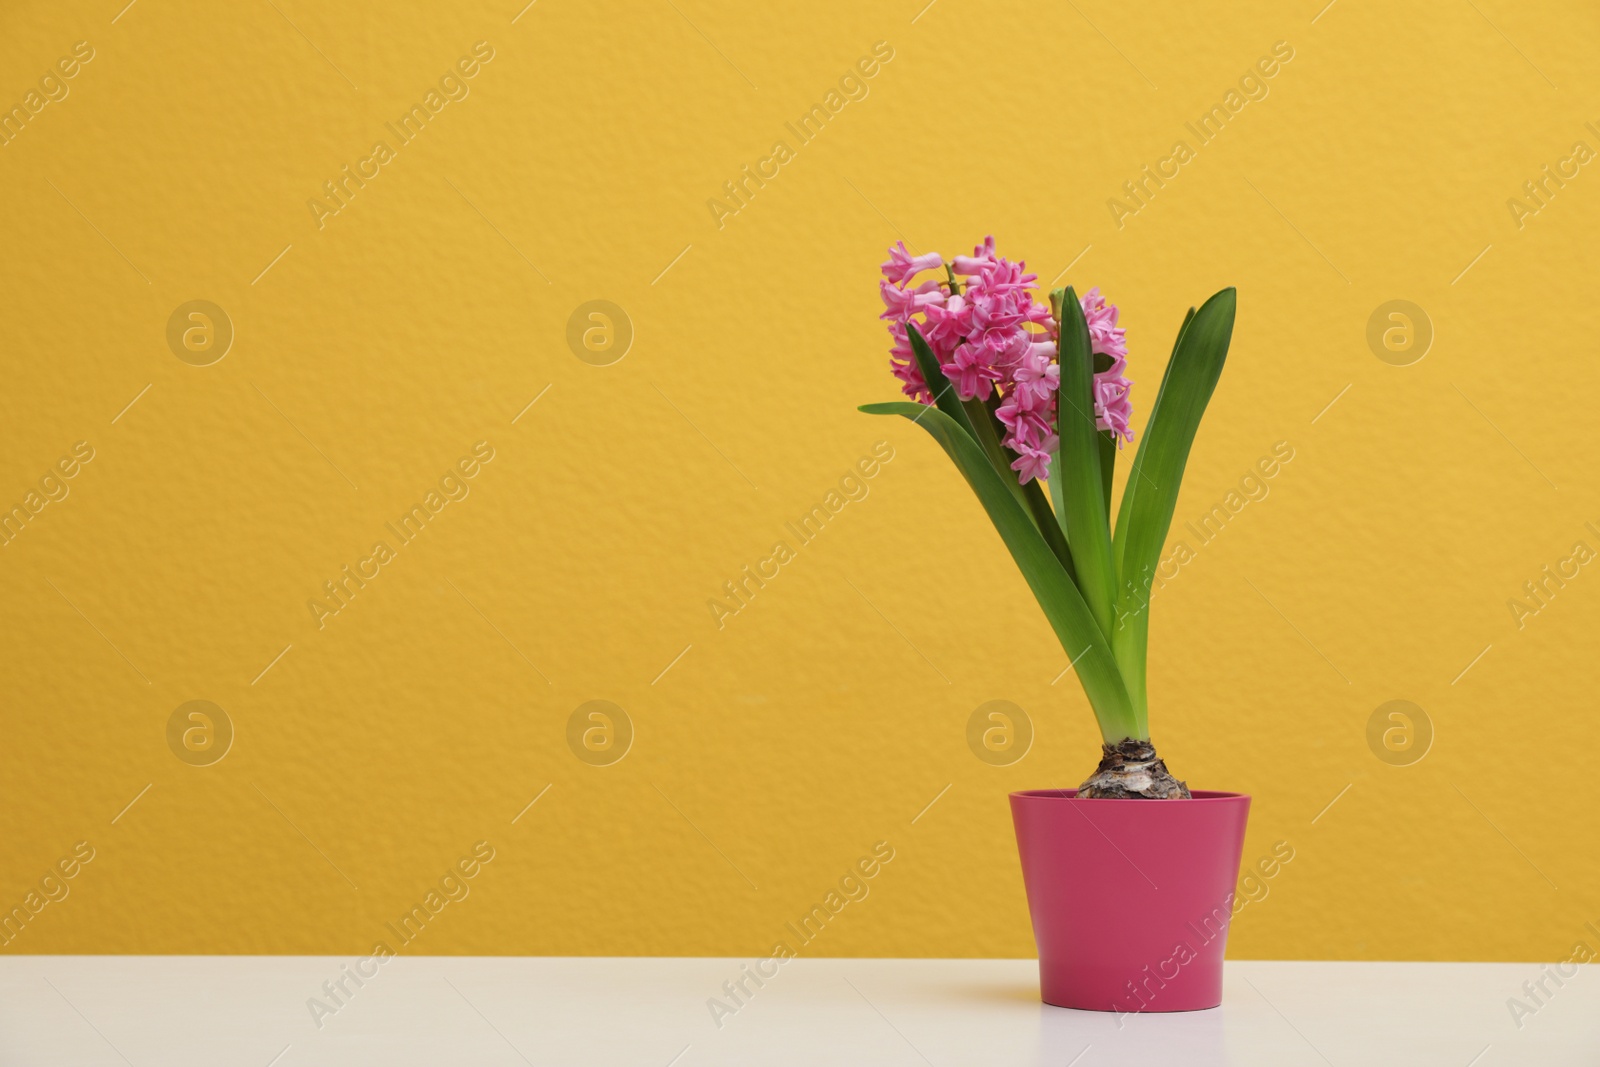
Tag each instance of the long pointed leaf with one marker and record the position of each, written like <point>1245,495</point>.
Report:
<point>1058,597</point>
<point>1054,535</point>
<point>981,424</point>
<point>1077,465</point>
<point>978,420</point>
<point>1108,467</point>
<point>1119,533</point>
<point>944,394</point>
<point>987,430</point>
<point>1152,490</point>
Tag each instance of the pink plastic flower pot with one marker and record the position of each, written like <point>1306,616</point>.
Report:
<point>1130,899</point>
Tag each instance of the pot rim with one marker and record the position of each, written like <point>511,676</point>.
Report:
<point>1202,795</point>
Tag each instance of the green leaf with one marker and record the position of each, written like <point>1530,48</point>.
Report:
<point>988,429</point>
<point>1048,524</point>
<point>978,419</point>
<point>1058,597</point>
<point>1152,490</point>
<point>1108,467</point>
<point>1080,498</point>
<point>944,394</point>
<point>1108,446</point>
<point>984,432</point>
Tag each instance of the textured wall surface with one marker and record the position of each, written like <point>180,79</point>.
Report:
<point>596,481</point>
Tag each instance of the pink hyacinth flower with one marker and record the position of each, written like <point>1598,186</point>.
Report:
<point>1033,462</point>
<point>1105,335</point>
<point>901,304</point>
<point>989,336</point>
<point>902,265</point>
<point>1111,406</point>
<point>971,374</point>
<point>981,257</point>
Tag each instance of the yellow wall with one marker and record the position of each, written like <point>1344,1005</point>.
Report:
<point>772,752</point>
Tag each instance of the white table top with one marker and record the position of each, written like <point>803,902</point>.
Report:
<point>252,1011</point>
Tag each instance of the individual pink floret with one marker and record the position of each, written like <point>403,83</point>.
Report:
<point>902,265</point>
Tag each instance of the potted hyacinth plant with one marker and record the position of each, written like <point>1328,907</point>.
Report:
<point>1032,403</point>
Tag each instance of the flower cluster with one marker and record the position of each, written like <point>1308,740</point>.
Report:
<point>1111,407</point>
<point>992,338</point>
